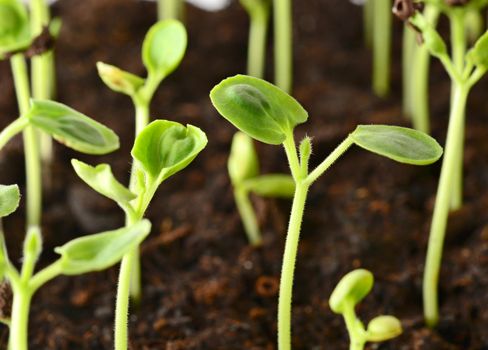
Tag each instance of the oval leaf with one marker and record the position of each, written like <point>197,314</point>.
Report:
<point>164,47</point>
<point>351,289</point>
<point>9,199</point>
<point>271,185</point>
<point>478,55</point>
<point>119,80</point>
<point>14,26</point>
<point>165,147</point>
<point>258,108</point>
<point>401,144</point>
<point>243,161</point>
<point>102,180</point>
<point>384,327</point>
<point>72,128</point>
<point>99,251</point>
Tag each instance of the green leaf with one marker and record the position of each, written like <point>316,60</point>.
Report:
<point>271,185</point>
<point>99,251</point>
<point>72,128</point>
<point>14,26</point>
<point>401,144</point>
<point>478,55</point>
<point>258,108</point>
<point>33,242</point>
<point>383,328</point>
<point>164,147</point>
<point>432,40</point>
<point>119,80</point>
<point>351,289</point>
<point>102,180</point>
<point>164,47</point>
<point>9,199</point>
<point>243,161</point>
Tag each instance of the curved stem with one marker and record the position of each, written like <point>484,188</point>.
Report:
<point>44,276</point>
<point>256,55</point>
<point>356,335</point>
<point>283,54</point>
<point>382,47</point>
<point>248,216</point>
<point>14,128</point>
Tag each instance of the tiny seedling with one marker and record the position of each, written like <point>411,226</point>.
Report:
<point>267,114</point>
<point>350,290</point>
<point>283,41</point>
<point>243,166</point>
<point>258,11</point>
<point>90,253</point>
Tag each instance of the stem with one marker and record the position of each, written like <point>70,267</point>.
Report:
<point>248,216</point>
<point>368,21</point>
<point>283,44</point>
<point>256,55</point>
<point>381,47</point>
<point>409,48</point>
<point>122,306</point>
<point>170,9</point>
<point>441,209</point>
<point>14,128</point>
<point>356,335</point>
<point>20,318</point>
<point>31,144</point>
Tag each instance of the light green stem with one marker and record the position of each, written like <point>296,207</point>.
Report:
<point>283,54</point>
<point>408,50</point>
<point>382,47</point>
<point>170,9</point>
<point>248,216</point>
<point>441,209</point>
<point>356,334</point>
<point>20,318</point>
<point>14,128</point>
<point>256,55</point>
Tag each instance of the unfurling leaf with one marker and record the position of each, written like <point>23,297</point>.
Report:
<point>258,108</point>
<point>384,327</point>
<point>351,289</point>
<point>14,26</point>
<point>164,47</point>
<point>102,180</point>
<point>99,251</point>
<point>72,128</point>
<point>403,145</point>
<point>165,147</point>
<point>9,199</point>
<point>271,185</point>
<point>243,161</point>
<point>119,80</point>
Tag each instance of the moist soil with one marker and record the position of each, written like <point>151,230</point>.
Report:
<point>204,286</point>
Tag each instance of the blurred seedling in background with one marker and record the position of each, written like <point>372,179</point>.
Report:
<point>350,290</point>
<point>243,166</point>
<point>267,114</point>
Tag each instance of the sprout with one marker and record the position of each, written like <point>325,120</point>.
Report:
<point>269,115</point>
<point>350,290</point>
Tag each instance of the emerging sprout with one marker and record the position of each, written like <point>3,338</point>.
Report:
<point>268,114</point>
<point>350,290</point>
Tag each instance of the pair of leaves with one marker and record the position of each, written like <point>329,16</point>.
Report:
<point>268,114</point>
<point>14,26</point>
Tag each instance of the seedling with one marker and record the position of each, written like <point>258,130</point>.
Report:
<point>243,166</point>
<point>171,9</point>
<point>258,11</point>
<point>267,114</point>
<point>90,253</point>
<point>465,70</point>
<point>350,290</point>
<point>283,41</point>
<point>162,51</point>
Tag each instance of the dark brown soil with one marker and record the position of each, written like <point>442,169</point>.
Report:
<point>204,287</point>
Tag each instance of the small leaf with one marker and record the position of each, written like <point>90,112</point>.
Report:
<point>9,199</point>
<point>164,47</point>
<point>99,251</point>
<point>432,40</point>
<point>33,242</point>
<point>403,145</point>
<point>478,55</point>
<point>351,289</point>
<point>72,128</point>
<point>383,328</point>
<point>102,180</point>
<point>119,80</point>
<point>243,161</point>
<point>258,108</point>
<point>271,185</point>
<point>164,148</point>
<point>14,26</point>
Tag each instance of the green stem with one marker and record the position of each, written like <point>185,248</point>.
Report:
<point>170,9</point>
<point>356,335</point>
<point>14,128</point>
<point>20,317</point>
<point>283,55</point>
<point>382,47</point>
<point>441,209</point>
<point>31,143</point>
<point>408,50</point>
<point>248,216</point>
<point>122,306</point>
<point>368,22</point>
<point>256,55</point>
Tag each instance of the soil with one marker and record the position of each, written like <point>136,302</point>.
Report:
<point>204,287</point>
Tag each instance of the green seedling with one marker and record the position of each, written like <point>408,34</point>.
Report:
<point>171,9</point>
<point>90,253</point>
<point>465,70</point>
<point>267,114</point>
<point>350,290</point>
<point>162,149</point>
<point>283,41</point>
<point>162,51</point>
<point>243,166</point>
<point>258,11</point>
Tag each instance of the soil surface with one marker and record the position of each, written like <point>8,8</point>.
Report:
<point>204,287</point>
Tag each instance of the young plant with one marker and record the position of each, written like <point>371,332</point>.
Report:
<point>465,70</point>
<point>171,9</point>
<point>350,290</point>
<point>162,149</point>
<point>162,51</point>
<point>90,253</point>
<point>267,114</point>
<point>258,11</point>
<point>243,166</point>
<point>283,41</point>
